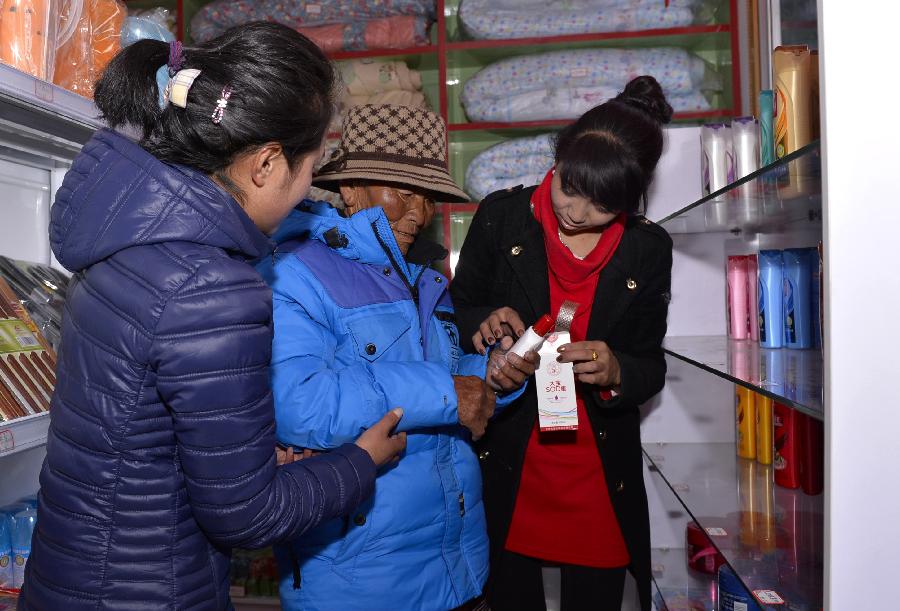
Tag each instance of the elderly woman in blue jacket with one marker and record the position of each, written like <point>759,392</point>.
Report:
<point>362,325</point>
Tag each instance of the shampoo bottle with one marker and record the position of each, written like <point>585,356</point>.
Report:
<point>771,310</point>
<point>753,296</point>
<point>765,441</point>
<point>798,272</point>
<point>786,463</point>
<point>738,305</point>
<point>745,408</point>
<point>766,126</point>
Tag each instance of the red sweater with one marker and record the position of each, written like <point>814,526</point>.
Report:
<point>563,512</point>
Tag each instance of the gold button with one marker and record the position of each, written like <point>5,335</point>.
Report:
<point>631,284</point>
<point>438,279</point>
<point>620,487</point>
<point>515,250</point>
<point>646,221</point>
<point>484,454</point>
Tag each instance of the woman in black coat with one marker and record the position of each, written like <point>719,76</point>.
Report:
<point>517,262</point>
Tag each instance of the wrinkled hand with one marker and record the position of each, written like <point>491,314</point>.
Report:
<point>475,403</point>
<point>501,323</point>
<point>285,456</point>
<point>508,372</point>
<point>380,440</point>
<point>602,371</point>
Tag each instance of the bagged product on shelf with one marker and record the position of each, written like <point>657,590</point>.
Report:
<point>24,522</point>
<point>793,124</point>
<point>92,37</point>
<point>541,86</point>
<point>216,17</point>
<point>6,559</point>
<point>367,77</point>
<point>41,291</point>
<point>522,161</point>
<point>498,19</point>
<point>28,35</point>
<point>155,24</point>
<point>398,32</point>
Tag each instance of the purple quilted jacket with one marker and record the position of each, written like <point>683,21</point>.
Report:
<point>160,455</point>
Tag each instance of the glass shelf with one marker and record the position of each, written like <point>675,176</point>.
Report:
<point>677,587</point>
<point>772,537</point>
<point>23,433</point>
<point>782,195</point>
<point>792,377</point>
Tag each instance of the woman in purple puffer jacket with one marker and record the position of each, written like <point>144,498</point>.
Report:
<point>161,450</point>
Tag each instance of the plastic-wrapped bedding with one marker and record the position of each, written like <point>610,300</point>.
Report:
<point>676,70</point>
<point>497,19</point>
<point>218,16</point>
<point>565,84</point>
<point>398,32</point>
<point>523,161</point>
<point>563,103</point>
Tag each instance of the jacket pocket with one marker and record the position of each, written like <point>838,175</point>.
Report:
<point>374,335</point>
<point>357,531</point>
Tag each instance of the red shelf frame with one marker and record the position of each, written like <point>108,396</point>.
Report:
<point>421,50</point>
<point>589,37</point>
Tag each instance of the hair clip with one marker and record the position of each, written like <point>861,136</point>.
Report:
<point>179,86</point>
<point>221,105</point>
<point>176,57</point>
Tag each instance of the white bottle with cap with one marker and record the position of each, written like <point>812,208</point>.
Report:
<point>533,337</point>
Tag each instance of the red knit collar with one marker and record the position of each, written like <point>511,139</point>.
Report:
<point>568,268</point>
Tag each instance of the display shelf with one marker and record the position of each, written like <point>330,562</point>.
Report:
<point>386,53</point>
<point>23,433</point>
<point>772,537</point>
<point>713,47</point>
<point>677,587</point>
<point>780,196</point>
<point>792,377</point>
<point>41,111</point>
<point>570,39</point>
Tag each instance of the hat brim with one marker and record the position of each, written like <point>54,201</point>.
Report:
<point>434,180</point>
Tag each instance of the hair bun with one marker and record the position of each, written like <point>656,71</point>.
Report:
<point>646,94</point>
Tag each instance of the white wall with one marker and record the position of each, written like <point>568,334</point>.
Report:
<point>860,90</point>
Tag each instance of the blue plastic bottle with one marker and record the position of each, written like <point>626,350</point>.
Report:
<point>21,543</point>
<point>771,311</point>
<point>798,270</point>
<point>6,563</point>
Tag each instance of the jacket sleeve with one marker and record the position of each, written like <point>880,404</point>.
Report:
<point>643,367</point>
<point>321,403</point>
<point>472,279</point>
<point>211,359</point>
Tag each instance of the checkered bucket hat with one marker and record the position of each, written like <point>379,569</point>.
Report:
<point>392,145</point>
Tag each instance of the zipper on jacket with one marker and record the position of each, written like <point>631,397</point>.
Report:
<point>295,567</point>
<point>412,287</point>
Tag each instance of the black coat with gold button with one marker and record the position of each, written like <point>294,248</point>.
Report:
<point>504,263</point>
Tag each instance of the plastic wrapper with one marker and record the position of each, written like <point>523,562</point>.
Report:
<point>29,35</point>
<point>92,42</point>
<point>397,32</point>
<point>155,24</point>
<point>41,291</point>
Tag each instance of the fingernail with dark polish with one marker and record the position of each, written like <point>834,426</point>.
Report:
<point>491,341</point>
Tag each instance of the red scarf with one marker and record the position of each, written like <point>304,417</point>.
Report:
<point>569,270</point>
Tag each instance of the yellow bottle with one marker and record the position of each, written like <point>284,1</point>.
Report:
<point>746,422</point>
<point>765,433</point>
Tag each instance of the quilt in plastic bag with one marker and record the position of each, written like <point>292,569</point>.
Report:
<point>523,161</point>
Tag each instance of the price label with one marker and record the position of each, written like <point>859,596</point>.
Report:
<point>768,597</point>
<point>716,532</point>
<point>681,487</point>
<point>7,441</point>
<point>43,90</point>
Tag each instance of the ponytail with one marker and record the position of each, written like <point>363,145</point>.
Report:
<point>280,89</point>
<point>127,93</point>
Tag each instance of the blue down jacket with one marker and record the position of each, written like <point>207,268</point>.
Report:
<point>358,331</point>
<point>161,450</point>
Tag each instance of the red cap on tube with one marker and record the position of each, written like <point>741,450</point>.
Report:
<point>544,325</point>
